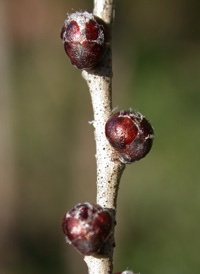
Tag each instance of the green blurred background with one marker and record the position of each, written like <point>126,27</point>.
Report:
<point>47,162</point>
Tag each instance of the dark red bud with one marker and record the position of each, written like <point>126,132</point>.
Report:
<point>85,39</point>
<point>130,134</point>
<point>87,227</point>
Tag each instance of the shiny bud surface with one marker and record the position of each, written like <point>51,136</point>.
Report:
<point>85,39</point>
<point>87,226</point>
<point>130,134</point>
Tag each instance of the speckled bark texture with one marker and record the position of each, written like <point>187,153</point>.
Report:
<point>109,168</point>
<point>104,9</point>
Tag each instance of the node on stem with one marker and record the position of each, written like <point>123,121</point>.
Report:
<point>87,226</point>
<point>130,134</point>
<point>85,39</point>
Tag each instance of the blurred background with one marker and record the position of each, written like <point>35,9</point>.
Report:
<point>47,162</point>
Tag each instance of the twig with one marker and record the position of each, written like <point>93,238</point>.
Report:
<point>109,168</point>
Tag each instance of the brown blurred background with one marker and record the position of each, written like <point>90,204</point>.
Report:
<point>47,162</point>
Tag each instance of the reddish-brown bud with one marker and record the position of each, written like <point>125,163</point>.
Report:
<point>85,39</point>
<point>87,227</point>
<point>130,134</point>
